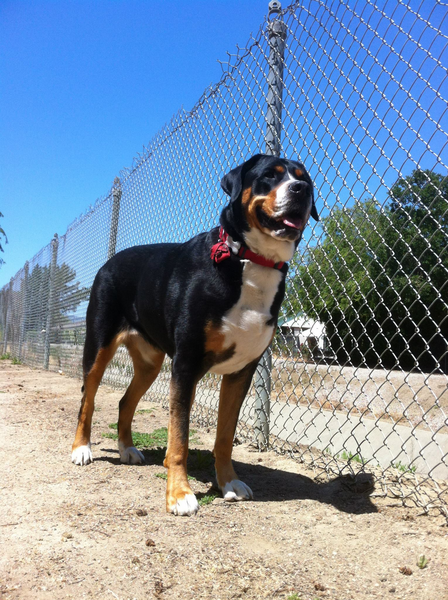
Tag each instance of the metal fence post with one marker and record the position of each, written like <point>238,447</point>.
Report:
<point>277,37</point>
<point>51,298</point>
<point>24,309</point>
<point>7,312</point>
<point>116,192</point>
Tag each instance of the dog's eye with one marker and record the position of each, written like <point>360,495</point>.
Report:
<point>271,174</point>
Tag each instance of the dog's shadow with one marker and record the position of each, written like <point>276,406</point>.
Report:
<point>346,493</point>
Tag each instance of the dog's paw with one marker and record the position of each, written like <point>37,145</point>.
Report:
<point>130,455</point>
<point>236,490</point>
<point>82,455</point>
<point>186,506</point>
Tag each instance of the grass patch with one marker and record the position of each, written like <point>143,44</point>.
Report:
<point>14,359</point>
<point>404,468</point>
<point>158,438</point>
<point>349,456</point>
<point>144,411</point>
<point>165,476</point>
<point>207,498</point>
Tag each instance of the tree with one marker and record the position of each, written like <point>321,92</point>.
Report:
<point>379,279</point>
<point>67,296</point>
<point>2,235</point>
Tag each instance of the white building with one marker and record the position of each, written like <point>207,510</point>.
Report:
<point>300,330</point>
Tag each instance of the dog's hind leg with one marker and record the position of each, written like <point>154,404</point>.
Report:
<point>104,333</point>
<point>234,388</point>
<point>81,452</point>
<point>147,362</point>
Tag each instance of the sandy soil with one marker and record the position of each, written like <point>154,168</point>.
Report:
<point>101,531</point>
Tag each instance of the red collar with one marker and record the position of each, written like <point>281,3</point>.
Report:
<point>220,251</point>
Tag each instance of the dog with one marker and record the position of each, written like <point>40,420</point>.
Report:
<point>211,304</point>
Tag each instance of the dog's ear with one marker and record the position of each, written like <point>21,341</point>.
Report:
<point>313,212</point>
<point>232,183</point>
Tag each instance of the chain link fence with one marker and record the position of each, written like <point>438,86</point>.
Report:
<point>356,379</point>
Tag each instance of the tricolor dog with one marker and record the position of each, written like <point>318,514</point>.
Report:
<point>211,304</point>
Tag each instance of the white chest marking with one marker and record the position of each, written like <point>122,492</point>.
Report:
<point>245,325</point>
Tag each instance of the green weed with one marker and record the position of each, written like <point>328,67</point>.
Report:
<point>158,438</point>
<point>350,456</point>
<point>14,359</point>
<point>110,436</point>
<point>422,562</point>
<point>404,468</point>
<point>165,476</point>
<point>207,498</point>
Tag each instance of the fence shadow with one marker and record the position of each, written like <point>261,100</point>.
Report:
<point>345,493</point>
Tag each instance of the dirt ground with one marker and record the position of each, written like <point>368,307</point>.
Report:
<point>101,531</point>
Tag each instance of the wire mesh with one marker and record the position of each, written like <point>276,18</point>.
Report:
<point>359,363</point>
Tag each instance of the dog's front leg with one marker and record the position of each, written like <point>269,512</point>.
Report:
<point>234,388</point>
<point>180,500</point>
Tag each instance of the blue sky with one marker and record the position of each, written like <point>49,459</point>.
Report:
<point>84,85</point>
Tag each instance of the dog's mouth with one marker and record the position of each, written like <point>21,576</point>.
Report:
<point>289,226</point>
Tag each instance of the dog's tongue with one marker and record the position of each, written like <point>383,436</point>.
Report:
<point>294,223</point>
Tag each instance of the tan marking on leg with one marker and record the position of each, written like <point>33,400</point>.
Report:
<point>233,391</point>
<point>147,362</point>
<point>91,382</point>
<point>177,451</point>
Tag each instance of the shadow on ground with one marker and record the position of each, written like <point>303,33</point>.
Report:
<point>346,493</point>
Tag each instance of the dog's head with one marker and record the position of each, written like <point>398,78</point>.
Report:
<point>273,195</point>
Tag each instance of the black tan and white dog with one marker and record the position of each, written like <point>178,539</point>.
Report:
<point>211,304</point>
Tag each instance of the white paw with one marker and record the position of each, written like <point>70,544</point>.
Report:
<point>82,455</point>
<point>130,455</point>
<point>236,490</point>
<point>188,506</point>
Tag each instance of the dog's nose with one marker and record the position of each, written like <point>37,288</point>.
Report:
<point>298,187</point>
